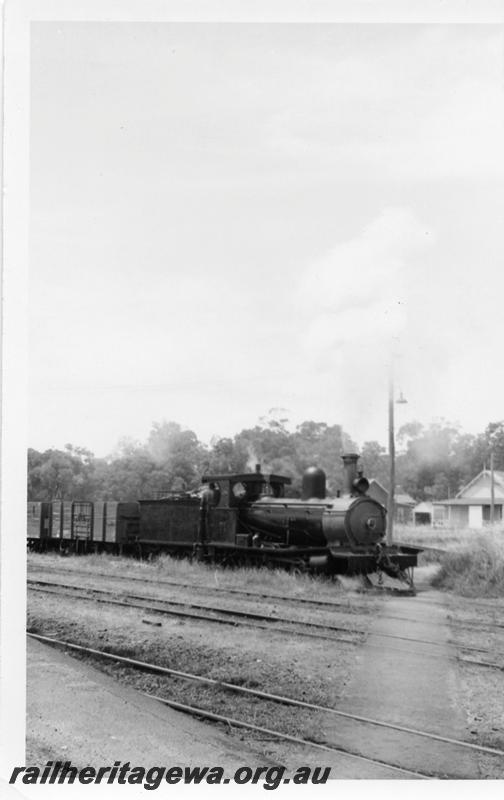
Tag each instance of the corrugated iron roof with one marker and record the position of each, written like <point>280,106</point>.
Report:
<point>404,500</point>
<point>498,476</point>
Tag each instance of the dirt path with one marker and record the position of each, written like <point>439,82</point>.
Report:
<point>414,684</point>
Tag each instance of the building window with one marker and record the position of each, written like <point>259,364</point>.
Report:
<point>497,513</point>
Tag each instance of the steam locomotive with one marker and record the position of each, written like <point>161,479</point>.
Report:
<point>239,518</point>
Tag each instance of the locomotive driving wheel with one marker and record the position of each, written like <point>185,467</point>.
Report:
<point>298,566</point>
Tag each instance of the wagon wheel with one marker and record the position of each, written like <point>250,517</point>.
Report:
<point>298,567</point>
<point>231,560</point>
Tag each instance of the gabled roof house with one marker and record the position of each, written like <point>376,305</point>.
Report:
<point>403,503</point>
<point>471,507</point>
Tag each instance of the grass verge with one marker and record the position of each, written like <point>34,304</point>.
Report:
<point>163,567</point>
<point>476,570</point>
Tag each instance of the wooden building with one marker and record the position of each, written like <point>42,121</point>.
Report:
<point>423,513</point>
<point>403,503</point>
<point>471,507</point>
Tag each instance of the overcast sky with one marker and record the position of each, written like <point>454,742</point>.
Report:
<point>227,218</point>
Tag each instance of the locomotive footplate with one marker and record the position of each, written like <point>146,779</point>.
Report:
<point>399,559</point>
<point>353,563</point>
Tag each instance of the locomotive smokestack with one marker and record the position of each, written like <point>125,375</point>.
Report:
<point>350,471</point>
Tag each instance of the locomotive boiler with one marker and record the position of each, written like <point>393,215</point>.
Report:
<point>339,535</point>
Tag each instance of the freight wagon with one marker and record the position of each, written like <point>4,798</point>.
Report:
<point>82,526</point>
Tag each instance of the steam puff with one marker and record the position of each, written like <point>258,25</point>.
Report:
<point>359,290</point>
<point>252,459</point>
<point>378,323</point>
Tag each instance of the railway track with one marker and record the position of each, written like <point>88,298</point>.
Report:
<point>235,617</point>
<point>211,614</point>
<point>345,606</point>
<point>456,750</point>
<point>341,607</point>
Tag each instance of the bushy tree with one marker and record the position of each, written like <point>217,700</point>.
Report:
<point>179,451</point>
<point>375,462</point>
<point>433,462</point>
<point>493,441</point>
<point>438,459</point>
<point>224,457</point>
<point>60,474</point>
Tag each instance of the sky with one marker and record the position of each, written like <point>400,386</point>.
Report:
<point>230,218</point>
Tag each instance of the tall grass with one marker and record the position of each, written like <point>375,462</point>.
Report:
<point>275,580</point>
<point>476,570</point>
<point>442,538</point>
<point>471,562</point>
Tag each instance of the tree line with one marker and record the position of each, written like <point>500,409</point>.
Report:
<point>433,461</point>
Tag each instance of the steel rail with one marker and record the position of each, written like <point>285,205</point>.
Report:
<point>243,592</point>
<point>268,696</point>
<point>258,626</point>
<point>343,607</point>
<point>234,613</point>
<point>198,712</point>
<point>199,607</point>
<point>269,619</point>
<point>203,617</point>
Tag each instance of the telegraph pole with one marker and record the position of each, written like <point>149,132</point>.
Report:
<point>391,432</point>
<point>492,488</point>
<point>492,440</point>
<point>390,503</point>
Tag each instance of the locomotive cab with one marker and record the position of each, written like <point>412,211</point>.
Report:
<point>233,491</point>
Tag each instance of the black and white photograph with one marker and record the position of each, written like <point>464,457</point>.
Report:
<point>253,398</point>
